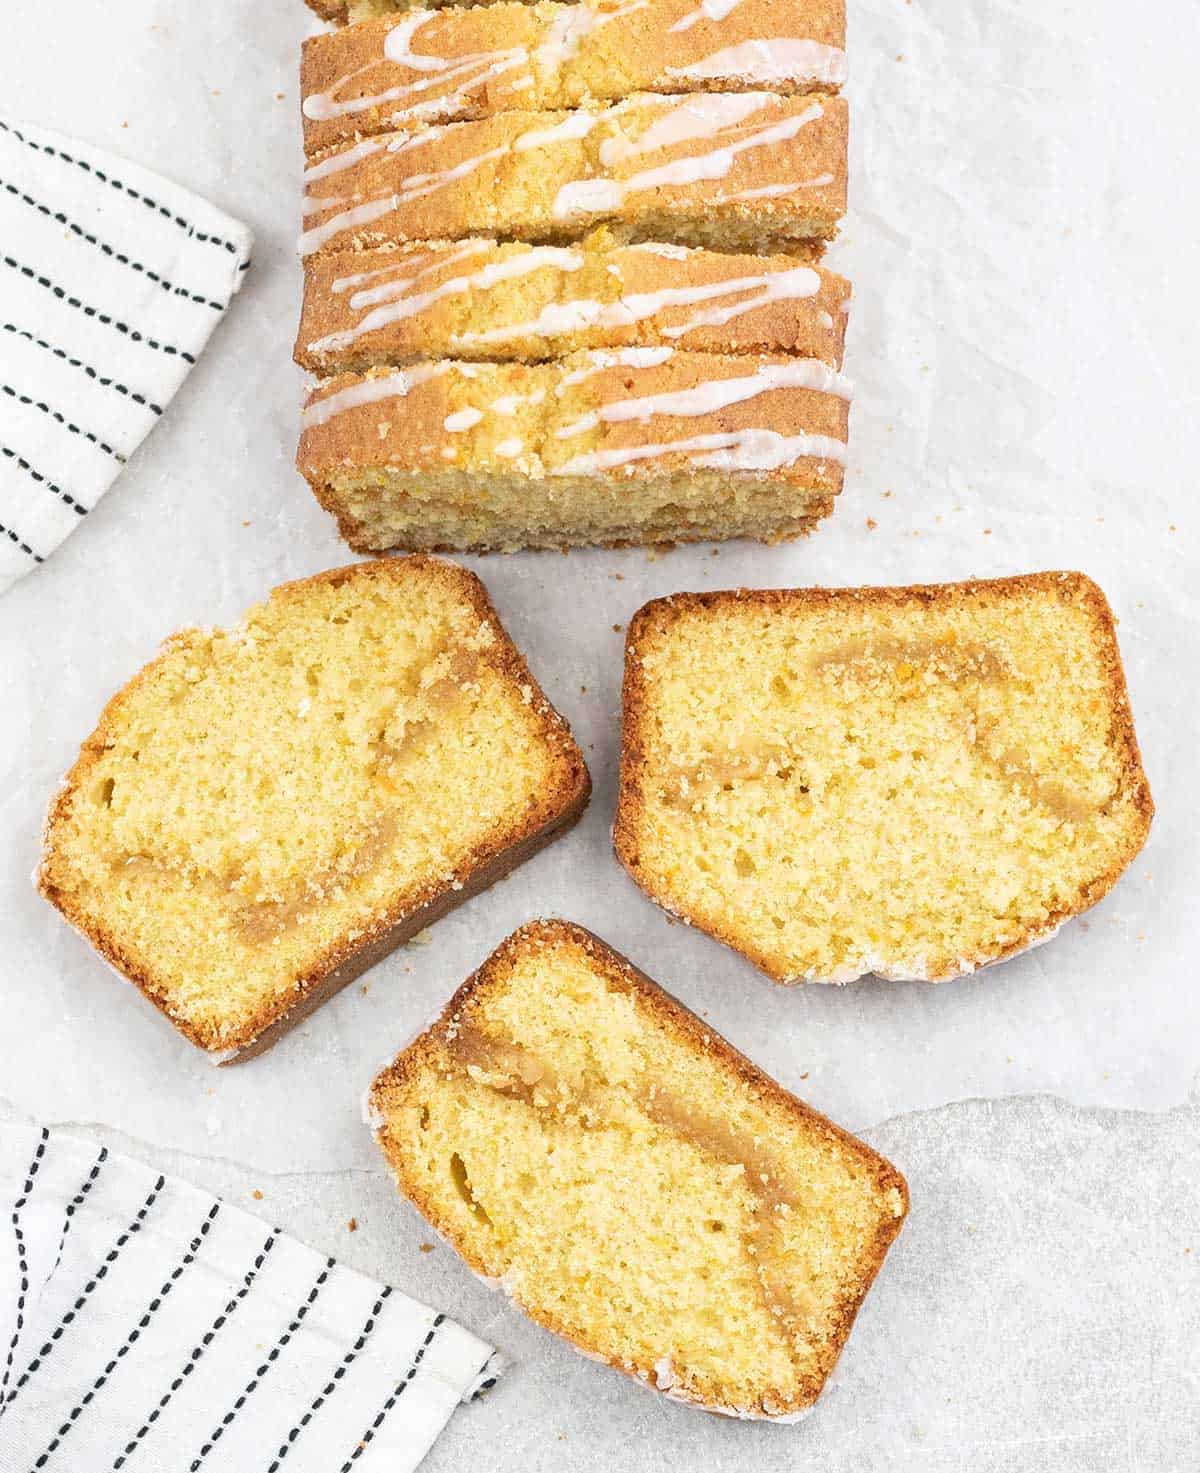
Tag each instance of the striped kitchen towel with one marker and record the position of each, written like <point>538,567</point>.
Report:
<point>145,1323</point>
<point>111,280</point>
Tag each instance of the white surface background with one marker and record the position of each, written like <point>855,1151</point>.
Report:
<point>1024,342</point>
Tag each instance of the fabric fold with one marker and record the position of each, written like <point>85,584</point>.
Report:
<point>145,1322</point>
<point>112,280</point>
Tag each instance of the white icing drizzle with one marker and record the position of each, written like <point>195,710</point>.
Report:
<point>750,449</point>
<point>562,317</point>
<point>706,10</point>
<point>600,358</point>
<point>413,187</point>
<point>468,71</point>
<point>510,403</point>
<point>781,59</point>
<point>694,117</point>
<point>339,161</point>
<point>774,191</point>
<point>568,28</point>
<point>399,302</point>
<point>573,126</point>
<point>316,205</point>
<point>717,163</point>
<point>716,394</point>
<point>588,197</point>
<point>358,278</point>
<point>385,290</point>
<point>630,357</point>
<point>555,317</point>
<point>457,76</point>
<point>768,450</point>
<point>402,142</point>
<point>394,385</point>
<point>772,286</point>
<point>738,450</point>
<point>462,419</point>
<point>397,45</point>
<point>372,209</point>
<point>416,186</point>
<point>572,25</point>
<point>536,258</point>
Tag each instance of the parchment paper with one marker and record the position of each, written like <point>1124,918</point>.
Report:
<point>1039,1313</point>
<point>1022,246</point>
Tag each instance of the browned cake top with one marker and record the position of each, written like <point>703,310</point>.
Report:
<point>629,413</point>
<point>635,1183</point>
<point>455,63</point>
<point>746,169</point>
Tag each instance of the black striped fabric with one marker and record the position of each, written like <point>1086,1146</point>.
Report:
<point>112,279</point>
<point>146,1324</point>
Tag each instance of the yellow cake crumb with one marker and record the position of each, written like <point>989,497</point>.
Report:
<point>633,1182</point>
<point>912,782</point>
<point>265,810</point>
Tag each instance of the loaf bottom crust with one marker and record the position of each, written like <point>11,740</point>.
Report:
<point>383,510</point>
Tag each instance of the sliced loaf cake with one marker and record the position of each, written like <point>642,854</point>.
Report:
<point>523,183</point>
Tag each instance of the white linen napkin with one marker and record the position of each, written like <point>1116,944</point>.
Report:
<point>111,281</point>
<point>144,1323</point>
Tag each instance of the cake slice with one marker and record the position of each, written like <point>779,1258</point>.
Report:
<point>439,66</point>
<point>746,171</point>
<point>633,445</point>
<point>485,299</point>
<point>263,812</point>
<point>633,1182</point>
<point>913,782</point>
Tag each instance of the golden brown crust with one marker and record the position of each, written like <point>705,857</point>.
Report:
<point>631,417</point>
<point>466,300</point>
<point>351,532</point>
<point>459,63</point>
<point>557,808</point>
<point>621,974</point>
<point>553,175</point>
<point>654,618</point>
<point>417,440</point>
